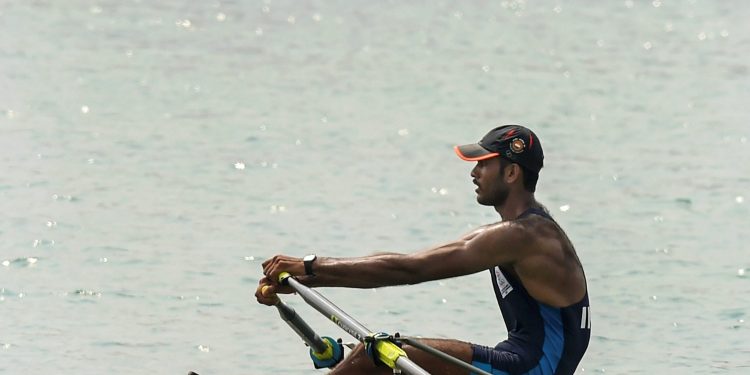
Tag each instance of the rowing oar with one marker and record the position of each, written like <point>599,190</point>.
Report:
<point>325,351</point>
<point>444,356</point>
<point>388,352</point>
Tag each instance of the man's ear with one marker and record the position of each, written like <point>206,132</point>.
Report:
<point>512,174</point>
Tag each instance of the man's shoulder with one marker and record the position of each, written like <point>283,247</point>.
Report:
<point>539,233</point>
<point>513,233</point>
<point>535,223</point>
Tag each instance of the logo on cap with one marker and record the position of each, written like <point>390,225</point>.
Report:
<point>517,145</point>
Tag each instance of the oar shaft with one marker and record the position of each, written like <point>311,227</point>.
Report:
<point>333,312</point>
<point>347,323</point>
<point>408,367</point>
<point>301,327</point>
<point>446,357</point>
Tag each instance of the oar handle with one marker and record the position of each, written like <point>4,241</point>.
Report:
<point>284,278</point>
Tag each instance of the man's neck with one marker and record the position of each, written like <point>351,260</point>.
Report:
<point>516,204</point>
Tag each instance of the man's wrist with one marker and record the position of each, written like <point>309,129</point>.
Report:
<point>308,261</point>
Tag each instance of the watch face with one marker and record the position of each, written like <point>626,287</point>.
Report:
<point>308,258</point>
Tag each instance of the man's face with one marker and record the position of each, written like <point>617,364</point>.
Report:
<point>491,187</point>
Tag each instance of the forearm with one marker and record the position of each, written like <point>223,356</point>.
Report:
<point>371,271</point>
<point>474,252</point>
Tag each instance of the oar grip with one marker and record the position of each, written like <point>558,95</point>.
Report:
<point>283,278</point>
<point>264,292</point>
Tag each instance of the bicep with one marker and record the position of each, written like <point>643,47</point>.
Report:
<point>478,251</point>
<point>500,244</point>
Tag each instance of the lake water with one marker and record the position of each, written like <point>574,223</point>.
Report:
<point>154,153</point>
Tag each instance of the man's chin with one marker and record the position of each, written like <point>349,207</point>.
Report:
<point>493,201</point>
<point>484,201</point>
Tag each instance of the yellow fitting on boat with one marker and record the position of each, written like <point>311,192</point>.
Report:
<point>389,352</point>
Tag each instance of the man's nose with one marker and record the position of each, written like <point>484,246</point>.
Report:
<point>475,171</point>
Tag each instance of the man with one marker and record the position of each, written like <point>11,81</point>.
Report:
<point>536,275</point>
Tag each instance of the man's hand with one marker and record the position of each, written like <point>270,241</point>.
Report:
<point>282,263</point>
<point>269,286</point>
<point>266,292</point>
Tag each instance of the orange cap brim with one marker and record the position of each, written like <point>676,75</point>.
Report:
<point>473,152</point>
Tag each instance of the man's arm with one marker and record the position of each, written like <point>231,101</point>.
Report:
<point>495,244</point>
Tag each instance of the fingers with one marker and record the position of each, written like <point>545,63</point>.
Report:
<point>271,267</point>
<point>265,294</point>
<point>268,263</point>
<point>282,263</point>
<point>269,294</point>
<point>266,291</point>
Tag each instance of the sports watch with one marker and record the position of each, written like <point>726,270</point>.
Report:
<point>308,260</point>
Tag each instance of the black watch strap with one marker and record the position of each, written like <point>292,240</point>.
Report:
<point>308,261</point>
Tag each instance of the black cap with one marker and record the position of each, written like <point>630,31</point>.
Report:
<point>513,142</point>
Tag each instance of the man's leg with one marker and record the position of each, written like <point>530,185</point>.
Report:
<point>357,361</point>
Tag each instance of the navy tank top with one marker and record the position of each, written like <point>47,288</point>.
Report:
<point>549,340</point>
